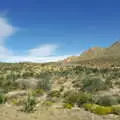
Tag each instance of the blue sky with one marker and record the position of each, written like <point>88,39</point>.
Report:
<point>50,30</point>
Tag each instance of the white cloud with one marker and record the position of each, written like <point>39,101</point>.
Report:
<point>43,53</point>
<point>34,59</point>
<point>4,52</point>
<point>44,50</point>
<point>6,30</point>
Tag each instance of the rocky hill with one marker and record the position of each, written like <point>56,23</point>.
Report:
<point>98,55</point>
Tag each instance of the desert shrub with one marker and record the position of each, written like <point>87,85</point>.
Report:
<point>30,83</point>
<point>44,84</point>
<point>93,84</point>
<point>6,84</point>
<point>68,105</point>
<point>94,70</point>
<point>27,74</point>
<point>78,98</point>
<point>62,89</point>
<point>77,83</point>
<point>102,110</point>
<point>116,110</point>
<point>118,99</point>
<point>104,71</point>
<point>2,91</point>
<point>54,93</point>
<point>70,97</point>
<point>117,83</point>
<point>115,75</point>
<point>107,100</point>
<point>29,104</point>
<point>108,82</point>
<point>83,98</point>
<point>38,92</point>
<point>89,107</point>
<point>2,99</point>
<point>17,101</point>
<point>47,103</point>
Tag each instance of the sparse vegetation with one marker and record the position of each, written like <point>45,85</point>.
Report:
<point>2,98</point>
<point>93,84</point>
<point>116,109</point>
<point>68,105</point>
<point>78,98</point>
<point>18,101</point>
<point>107,101</point>
<point>54,93</point>
<point>38,92</point>
<point>29,104</point>
<point>77,86</point>
<point>47,103</point>
<point>102,110</point>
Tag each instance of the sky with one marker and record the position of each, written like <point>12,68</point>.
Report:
<point>51,30</point>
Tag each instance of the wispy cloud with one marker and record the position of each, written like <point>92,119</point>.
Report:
<point>43,50</point>
<point>42,53</point>
<point>35,59</point>
<point>6,30</point>
<point>4,52</point>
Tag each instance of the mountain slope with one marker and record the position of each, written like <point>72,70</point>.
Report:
<point>113,50</point>
<point>98,55</point>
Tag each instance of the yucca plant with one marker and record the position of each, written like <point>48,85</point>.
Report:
<point>29,104</point>
<point>2,99</point>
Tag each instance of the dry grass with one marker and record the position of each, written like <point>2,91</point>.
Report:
<point>11,113</point>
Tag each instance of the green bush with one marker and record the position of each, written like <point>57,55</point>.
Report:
<point>54,93</point>
<point>70,97</point>
<point>116,110</point>
<point>29,104</point>
<point>83,98</point>
<point>77,83</point>
<point>17,101</point>
<point>102,110</point>
<point>68,105</point>
<point>38,92</point>
<point>118,99</point>
<point>107,101</point>
<point>78,98</point>
<point>47,103</point>
<point>89,107</point>
<point>2,99</point>
<point>62,89</point>
<point>93,84</point>
<point>44,83</point>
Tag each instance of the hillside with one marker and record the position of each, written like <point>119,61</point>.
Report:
<point>99,56</point>
<point>55,91</point>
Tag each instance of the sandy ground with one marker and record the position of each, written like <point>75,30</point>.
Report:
<point>12,113</point>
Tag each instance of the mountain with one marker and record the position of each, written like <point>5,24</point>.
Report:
<point>98,55</point>
<point>96,52</point>
<point>92,53</point>
<point>113,50</point>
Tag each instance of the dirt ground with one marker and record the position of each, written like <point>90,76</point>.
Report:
<point>12,113</point>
